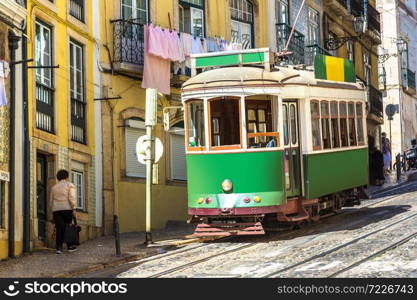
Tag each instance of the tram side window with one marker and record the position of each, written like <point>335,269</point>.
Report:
<point>352,125</point>
<point>225,122</point>
<point>335,125</point>
<point>343,124</point>
<point>315,124</point>
<point>196,136</point>
<point>259,120</point>
<point>325,126</point>
<point>359,120</point>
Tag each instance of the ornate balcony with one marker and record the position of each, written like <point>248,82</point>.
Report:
<point>374,20</point>
<point>339,7</point>
<point>128,45</point>
<point>44,108</point>
<point>376,106</point>
<point>77,9</point>
<point>312,51</point>
<point>296,45</point>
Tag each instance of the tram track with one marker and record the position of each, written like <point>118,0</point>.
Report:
<point>344,245</point>
<point>375,254</point>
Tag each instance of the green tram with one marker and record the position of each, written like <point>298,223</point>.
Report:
<point>269,144</point>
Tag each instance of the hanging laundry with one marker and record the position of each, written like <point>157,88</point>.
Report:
<point>204,46</point>
<point>172,41</point>
<point>156,70</point>
<point>211,45</point>
<point>157,42</point>
<point>4,72</point>
<point>186,42</point>
<point>196,47</point>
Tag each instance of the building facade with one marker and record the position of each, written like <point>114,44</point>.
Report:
<point>12,17</point>
<point>121,65</point>
<point>398,71</point>
<point>322,28</point>
<point>62,112</point>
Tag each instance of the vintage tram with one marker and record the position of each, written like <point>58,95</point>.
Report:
<point>266,143</point>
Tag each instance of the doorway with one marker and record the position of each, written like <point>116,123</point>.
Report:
<point>292,162</point>
<point>41,195</point>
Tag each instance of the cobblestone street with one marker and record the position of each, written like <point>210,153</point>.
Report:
<point>375,239</point>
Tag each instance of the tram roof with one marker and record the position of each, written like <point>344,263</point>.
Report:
<point>259,77</point>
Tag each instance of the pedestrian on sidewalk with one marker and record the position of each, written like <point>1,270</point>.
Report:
<point>386,151</point>
<point>63,197</point>
<point>376,164</point>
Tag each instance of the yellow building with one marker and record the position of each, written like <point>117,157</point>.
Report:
<point>61,111</point>
<point>121,63</point>
<point>12,17</point>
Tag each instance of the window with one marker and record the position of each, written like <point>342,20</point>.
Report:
<point>281,12</point>
<point>225,122</point>
<point>191,17</point>
<point>286,125</point>
<point>359,120</point>
<point>178,161</point>
<point>2,204</point>
<point>44,83</point>
<point>259,124</point>
<point>242,23</point>
<point>367,67</point>
<point>77,9</point>
<point>135,130</point>
<point>325,124</point>
<point>195,125</point>
<point>343,124</point>
<point>350,48</point>
<point>313,27</point>
<point>404,65</point>
<point>78,181</point>
<point>136,10</point>
<point>352,125</point>
<point>78,107</point>
<point>335,124</point>
<point>315,124</point>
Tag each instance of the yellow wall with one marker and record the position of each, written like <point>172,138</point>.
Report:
<point>169,198</point>
<point>61,151</point>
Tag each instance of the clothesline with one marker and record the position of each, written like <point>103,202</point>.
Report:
<point>163,46</point>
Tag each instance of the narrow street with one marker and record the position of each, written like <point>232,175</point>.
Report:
<point>376,239</point>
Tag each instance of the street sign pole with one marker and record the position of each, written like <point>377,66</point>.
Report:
<point>150,121</point>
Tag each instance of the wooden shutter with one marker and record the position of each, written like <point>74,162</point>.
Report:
<point>133,167</point>
<point>178,161</point>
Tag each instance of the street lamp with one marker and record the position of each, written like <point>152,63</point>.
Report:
<point>359,25</point>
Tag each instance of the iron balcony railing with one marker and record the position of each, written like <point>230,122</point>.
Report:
<point>128,42</point>
<point>296,44</point>
<point>77,9</point>
<point>78,121</point>
<point>375,99</point>
<point>44,108</point>
<point>411,79</point>
<point>312,51</point>
<point>374,19</point>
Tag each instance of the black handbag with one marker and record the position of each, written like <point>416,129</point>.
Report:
<point>72,233</point>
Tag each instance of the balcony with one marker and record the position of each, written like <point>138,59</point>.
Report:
<point>312,51</point>
<point>296,45</point>
<point>128,45</point>
<point>339,7</point>
<point>374,20</point>
<point>76,9</point>
<point>376,106</point>
<point>78,121</point>
<point>44,108</point>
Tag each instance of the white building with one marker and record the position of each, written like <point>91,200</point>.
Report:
<point>399,42</point>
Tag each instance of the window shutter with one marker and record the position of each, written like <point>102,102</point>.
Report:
<point>178,161</point>
<point>133,167</point>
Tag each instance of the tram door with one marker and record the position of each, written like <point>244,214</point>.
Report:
<point>291,148</point>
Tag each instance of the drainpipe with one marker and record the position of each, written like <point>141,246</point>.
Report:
<point>13,46</point>
<point>26,150</point>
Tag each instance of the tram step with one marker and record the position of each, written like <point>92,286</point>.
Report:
<point>228,229</point>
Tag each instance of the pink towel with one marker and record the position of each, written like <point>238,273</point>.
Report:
<point>156,70</point>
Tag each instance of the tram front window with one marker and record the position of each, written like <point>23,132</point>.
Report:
<point>196,137</point>
<point>225,122</point>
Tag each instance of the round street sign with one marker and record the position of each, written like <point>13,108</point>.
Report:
<point>141,146</point>
<point>390,110</point>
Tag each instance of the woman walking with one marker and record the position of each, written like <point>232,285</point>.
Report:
<point>63,196</point>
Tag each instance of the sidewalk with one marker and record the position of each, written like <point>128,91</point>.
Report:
<point>391,181</point>
<point>96,254</point>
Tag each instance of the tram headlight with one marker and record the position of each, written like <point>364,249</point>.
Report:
<point>227,185</point>
<point>200,200</point>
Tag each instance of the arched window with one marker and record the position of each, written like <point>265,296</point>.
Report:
<point>137,10</point>
<point>242,22</point>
